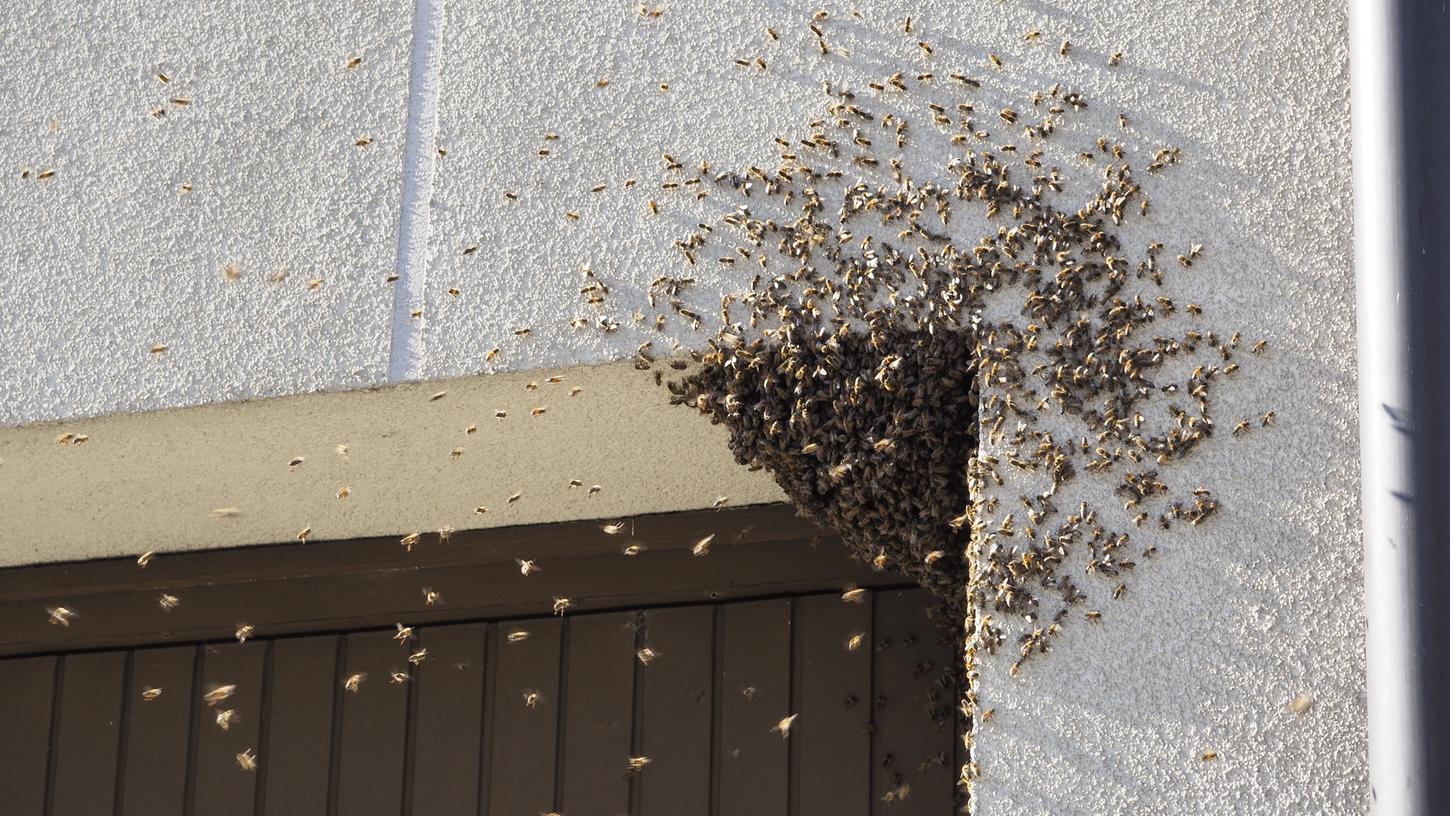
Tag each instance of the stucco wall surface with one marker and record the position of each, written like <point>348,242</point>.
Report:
<point>246,158</point>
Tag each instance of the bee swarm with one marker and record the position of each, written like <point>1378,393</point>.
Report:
<point>914,286</point>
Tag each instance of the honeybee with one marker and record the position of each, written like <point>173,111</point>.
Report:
<point>561,604</point>
<point>150,693</point>
<point>247,760</point>
<point>145,558</point>
<point>438,396</point>
<point>218,693</point>
<point>646,655</point>
<point>719,502</point>
<point>403,633</point>
<point>409,540</point>
<point>168,602</point>
<point>515,497</point>
<point>613,529</point>
<point>702,547</point>
<point>397,678</point>
<point>225,718</point>
<point>517,636</point>
<point>784,726</point>
<point>637,763</point>
<point>418,657</point>
<point>854,595</point>
<point>59,615</point>
<point>354,682</point>
<point>527,567</point>
<point>431,597</point>
<point>244,631</point>
<point>531,698</point>
<point>353,62</point>
<point>854,641</point>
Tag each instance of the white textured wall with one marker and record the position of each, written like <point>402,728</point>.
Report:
<point>105,259</point>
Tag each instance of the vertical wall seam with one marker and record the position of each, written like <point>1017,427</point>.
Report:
<point>485,737</point>
<point>419,162</point>
<point>193,727</point>
<point>636,713</point>
<point>561,710</point>
<point>123,736</point>
<point>339,699</point>
<point>264,732</point>
<point>53,756</point>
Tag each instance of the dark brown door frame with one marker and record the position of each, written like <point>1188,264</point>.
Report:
<point>347,585</point>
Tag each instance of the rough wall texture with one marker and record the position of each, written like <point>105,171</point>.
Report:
<point>105,259</point>
<point>245,157</point>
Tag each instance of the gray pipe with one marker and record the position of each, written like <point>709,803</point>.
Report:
<point>1399,81</point>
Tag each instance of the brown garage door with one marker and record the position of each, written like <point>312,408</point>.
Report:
<point>506,715</point>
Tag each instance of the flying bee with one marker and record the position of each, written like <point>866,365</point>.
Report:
<point>247,760</point>
<point>1032,36</point>
<point>225,718</point>
<point>854,595</point>
<point>455,453</point>
<point>515,497</point>
<point>561,604</point>
<point>784,726</point>
<point>159,348</point>
<point>531,699</point>
<point>60,615</point>
<point>218,693</point>
<point>854,641</point>
<point>995,60</point>
<point>355,681</point>
<point>612,529</point>
<point>168,602</point>
<point>633,549</point>
<point>418,657</point>
<point>397,678</point>
<point>594,489</point>
<point>1268,419</point>
<point>636,764</point>
<point>409,540</point>
<point>244,631</point>
<point>1115,58</point>
<point>720,501</point>
<point>344,491</point>
<point>226,512</point>
<point>1064,48</point>
<point>517,636</point>
<point>1208,756</point>
<point>353,62</point>
<point>145,558</point>
<point>646,655</point>
<point>1241,428</point>
<point>702,547</point>
<point>431,597</point>
<point>150,693</point>
<point>1259,347</point>
<point>527,567</point>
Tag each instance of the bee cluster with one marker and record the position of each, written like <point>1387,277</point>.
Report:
<point>926,329</point>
